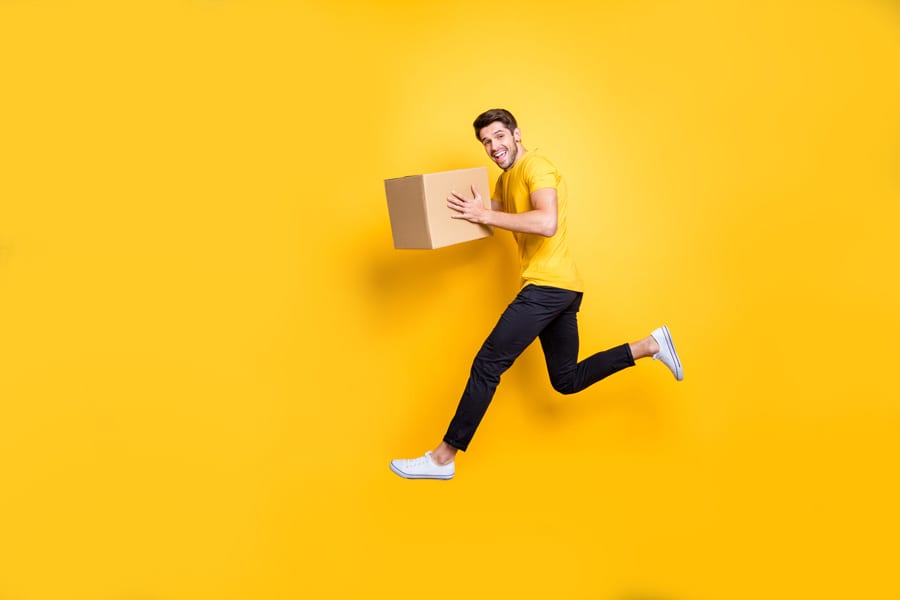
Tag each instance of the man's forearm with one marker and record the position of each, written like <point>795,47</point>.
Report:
<point>539,222</point>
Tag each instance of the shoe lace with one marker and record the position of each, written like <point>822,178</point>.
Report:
<point>420,461</point>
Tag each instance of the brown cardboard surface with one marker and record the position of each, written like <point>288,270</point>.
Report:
<point>418,210</point>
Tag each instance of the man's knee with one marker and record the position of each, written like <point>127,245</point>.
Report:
<point>564,385</point>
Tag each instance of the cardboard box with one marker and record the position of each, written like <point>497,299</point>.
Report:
<point>418,208</point>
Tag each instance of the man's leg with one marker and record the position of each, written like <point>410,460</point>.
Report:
<point>523,320</point>
<point>559,341</point>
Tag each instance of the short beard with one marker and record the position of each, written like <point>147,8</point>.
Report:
<point>511,155</point>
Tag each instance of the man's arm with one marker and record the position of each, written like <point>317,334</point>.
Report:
<point>541,219</point>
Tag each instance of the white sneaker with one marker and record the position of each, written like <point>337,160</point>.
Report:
<point>422,468</point>
<point>667,353</point>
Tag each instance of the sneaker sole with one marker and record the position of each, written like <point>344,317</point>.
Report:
<point>679,371</point>
<point>410,476</point>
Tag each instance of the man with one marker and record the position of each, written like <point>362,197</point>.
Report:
<point>530,201</point>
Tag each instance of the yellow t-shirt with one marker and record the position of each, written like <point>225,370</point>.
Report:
<point>544,261</point>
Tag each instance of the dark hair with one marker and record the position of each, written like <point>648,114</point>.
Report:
<point>493,115</point>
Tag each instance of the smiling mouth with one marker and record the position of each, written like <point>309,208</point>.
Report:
<point>500,155</point>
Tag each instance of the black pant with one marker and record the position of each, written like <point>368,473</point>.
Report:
<point>537,311</point>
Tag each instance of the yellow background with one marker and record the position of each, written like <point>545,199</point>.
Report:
<point>209,350</point>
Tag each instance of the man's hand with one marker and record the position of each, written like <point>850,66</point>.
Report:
<point>470,209</point>
<point>540,220</point>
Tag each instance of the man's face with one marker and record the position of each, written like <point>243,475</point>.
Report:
<point>500,143</point>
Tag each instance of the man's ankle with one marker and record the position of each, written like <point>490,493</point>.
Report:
<point>443,454</point>
<point>644,348</point>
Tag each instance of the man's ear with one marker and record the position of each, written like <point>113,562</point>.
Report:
<point>517,135</point>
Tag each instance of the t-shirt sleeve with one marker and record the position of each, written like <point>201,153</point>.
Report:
<point>541,173</point>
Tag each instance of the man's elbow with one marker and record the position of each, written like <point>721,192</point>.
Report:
<point>549,228</point>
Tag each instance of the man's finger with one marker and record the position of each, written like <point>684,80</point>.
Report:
<point>457,206</point>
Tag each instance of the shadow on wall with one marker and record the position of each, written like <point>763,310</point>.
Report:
<point>415,285</point>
